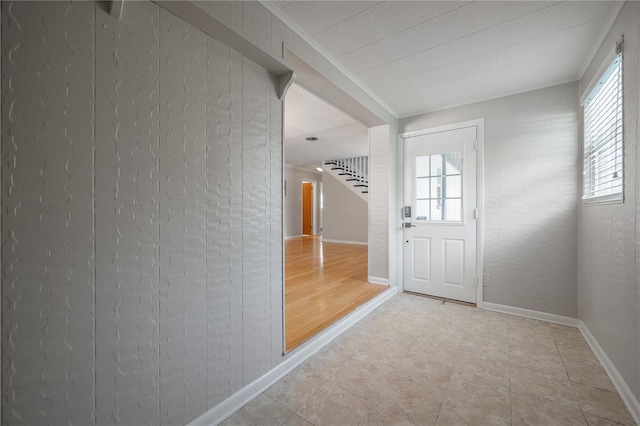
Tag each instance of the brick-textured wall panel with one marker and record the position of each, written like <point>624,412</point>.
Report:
<point>224,221</point>
<point>126,199</point>
<point>47,223</point>
<point>256,202</point>
<point>176,302</point>
<point>276,261</point>
<point>182,220</point>
<point>379,202</point>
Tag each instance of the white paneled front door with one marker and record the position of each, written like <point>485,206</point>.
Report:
<point>440,233</point>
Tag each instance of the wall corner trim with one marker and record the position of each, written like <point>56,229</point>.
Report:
<point>629,399</point>
<point>528,313</point>
<point>197,15</point>
<point>358,243</point>
<point>378,280</point>
<point>226,408</point>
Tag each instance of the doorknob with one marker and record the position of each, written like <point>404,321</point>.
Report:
<point>409,225</point>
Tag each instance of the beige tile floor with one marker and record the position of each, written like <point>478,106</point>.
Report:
<point>417,361</point>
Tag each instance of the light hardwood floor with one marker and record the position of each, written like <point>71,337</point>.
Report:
<point>323,283</point>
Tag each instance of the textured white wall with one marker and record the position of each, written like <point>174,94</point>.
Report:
<point>48,221</point>
<point>345,213</point>
<point>531,192</point>
<point>142,251</point>
<point>609,286</point>
<point>293,201</point>
<point>379,205</point>
<point>127,215</point>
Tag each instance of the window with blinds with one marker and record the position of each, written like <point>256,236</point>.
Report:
<point>603,142</point>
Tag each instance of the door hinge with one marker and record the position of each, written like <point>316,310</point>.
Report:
<point>476,213</point>
<point>476,145</point>
<point>475,281</point>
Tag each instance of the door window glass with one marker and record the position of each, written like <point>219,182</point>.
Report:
<point>438,189</point>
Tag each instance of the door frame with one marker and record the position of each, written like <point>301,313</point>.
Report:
<point>479,124</point>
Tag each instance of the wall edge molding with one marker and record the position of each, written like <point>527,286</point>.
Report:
<point>378,280</point>
<point>629,399</point>
<point>359,243</point>
<point>226,408</point>
<point>528,313</point>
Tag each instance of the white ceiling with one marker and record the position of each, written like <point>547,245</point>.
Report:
<point>418,56</point>
<point>339,136</point>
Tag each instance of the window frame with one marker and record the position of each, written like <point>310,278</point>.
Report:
<point>592,90</point>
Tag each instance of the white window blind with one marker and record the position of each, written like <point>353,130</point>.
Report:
<point>603,141</point>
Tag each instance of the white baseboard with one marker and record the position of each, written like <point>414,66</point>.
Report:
<point>226,408</point>
<point>629,399</point>
<point>377,280</point>
<point>359,243</point>
<point>528,313</point>
<point>290,237</point>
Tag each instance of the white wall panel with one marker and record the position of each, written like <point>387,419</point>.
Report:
<point>182,196</point>
<point>276,231</point>
<point>126,199</point>
<point>47,225</point>
<point>379,180</point>
<point>224,222</point>
<point>256,201</point>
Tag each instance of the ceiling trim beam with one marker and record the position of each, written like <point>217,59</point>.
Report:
<point>275,10</point>
<point>322,87</point>
<point>202,19</point>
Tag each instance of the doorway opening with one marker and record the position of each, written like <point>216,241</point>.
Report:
<point>308,218</point>
<point>326,216</point>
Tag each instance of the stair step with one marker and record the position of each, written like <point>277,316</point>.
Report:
<point>366,186</point>
<point>337,168</point>
<point>365,192</point>
<point>345,174</point>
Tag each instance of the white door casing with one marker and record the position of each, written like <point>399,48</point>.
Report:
<point>442,248</point>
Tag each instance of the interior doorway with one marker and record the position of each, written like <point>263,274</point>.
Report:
<point>326,216</point>
<point>307,208</point>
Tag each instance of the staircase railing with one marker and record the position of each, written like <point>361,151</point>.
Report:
<point>355,169</point>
